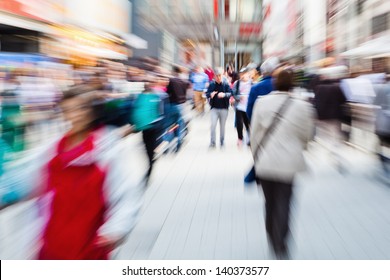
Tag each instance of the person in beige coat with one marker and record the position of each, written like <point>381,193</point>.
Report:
<point>280,157</point>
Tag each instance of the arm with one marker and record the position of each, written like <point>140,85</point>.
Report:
<point>236,91</point>
<point>256,128</point>
<point>210,89</point>
<point>169,87</point>
<point>251,102</point>
<point>123,189</point>
<point>228,91</point>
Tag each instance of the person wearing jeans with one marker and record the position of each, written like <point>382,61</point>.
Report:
<point>241,89</point>
<point>218,93</point>
<point>177,91</point>
<point>199,80</point>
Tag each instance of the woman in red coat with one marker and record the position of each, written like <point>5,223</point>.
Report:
<point>93,179</point>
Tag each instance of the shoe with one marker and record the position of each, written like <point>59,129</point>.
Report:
<point>239,143</point>
<point>212,146</point>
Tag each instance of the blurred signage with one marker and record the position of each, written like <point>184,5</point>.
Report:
<point>267,11</point>
<point>292,15</point>
<point>42,10</point>
<point>216,11</point>
<point>250,29</point>
<point>19,8</point>
<point>108,15</point>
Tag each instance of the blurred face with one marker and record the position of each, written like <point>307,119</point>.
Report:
<point>218,78</point>
<point>245,76</point>
<point>78,112</point>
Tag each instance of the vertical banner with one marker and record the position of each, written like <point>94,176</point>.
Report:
<point>216,9</point>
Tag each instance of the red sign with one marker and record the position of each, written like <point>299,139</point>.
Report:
<point>19,8</point>
<point>216,9</point>
<point>250,28</point>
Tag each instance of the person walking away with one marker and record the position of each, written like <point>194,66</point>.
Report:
<point>177,91</point>
<point>382,124</point>
<point>148,116</point>
<point>260,89</point>
<point>200,81</point>
<point>241,89</point>
<point>331,105</point>
<point>265,86</point>
<point>218,93</point>
<point>281,128</point>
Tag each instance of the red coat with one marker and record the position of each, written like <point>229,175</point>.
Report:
<point>77,208</point>
<point>95,192</point>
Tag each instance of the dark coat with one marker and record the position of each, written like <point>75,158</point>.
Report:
<point>216,102</point>
<point>330,101</point>
<point>177,90</point>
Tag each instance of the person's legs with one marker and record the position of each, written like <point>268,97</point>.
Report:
<point>203,101</point>
<point>277,197</point>
<point>239,124</point>
<point>247,126</point>
<point>214,119</point>
<point>246,121</point>
<point>222,123</point>
<point>199,102</point>
<point>150,139</point>
<point>268,190</point>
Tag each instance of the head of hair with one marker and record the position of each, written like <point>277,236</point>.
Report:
<point>176,69</point>
<point>92,99</point>
<point>284,80</point>
<point>269,65</point>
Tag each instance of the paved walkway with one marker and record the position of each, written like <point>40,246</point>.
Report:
<point>197,207</point>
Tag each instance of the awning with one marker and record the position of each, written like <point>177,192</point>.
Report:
<point>102,53</point>
<point>379,47</point>
<point>24,23</point>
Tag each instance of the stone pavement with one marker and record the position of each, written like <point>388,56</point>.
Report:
<point>197,207</point>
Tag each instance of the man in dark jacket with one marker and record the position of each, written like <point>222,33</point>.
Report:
<point>177,90</point>
<point>265,86</point>
<point>332,111</point>
<point>218,93</point>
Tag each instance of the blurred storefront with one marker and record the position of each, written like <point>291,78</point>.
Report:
<point>79,32</point>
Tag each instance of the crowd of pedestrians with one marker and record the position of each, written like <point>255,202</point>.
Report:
<point>104,110</point>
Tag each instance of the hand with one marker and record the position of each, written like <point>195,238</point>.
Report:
<point>105,242</point>
<point>221,95</point>
<point>213,94</point>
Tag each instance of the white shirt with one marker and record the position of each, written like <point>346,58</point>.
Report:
<point>245,88</point>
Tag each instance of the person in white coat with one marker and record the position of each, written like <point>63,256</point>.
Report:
<point>280,157</point>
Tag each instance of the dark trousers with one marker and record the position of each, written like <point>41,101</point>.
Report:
<point>241,120</point>
<point>277,210</point>
<point>150,141</point>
